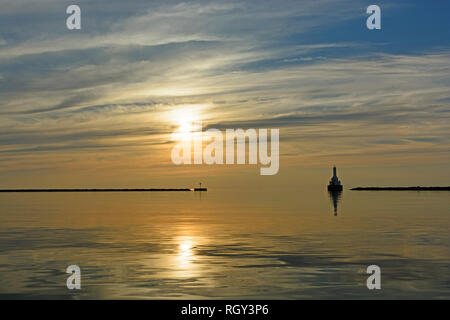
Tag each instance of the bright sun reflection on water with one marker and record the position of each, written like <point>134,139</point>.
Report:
<point>186,247</point>
<point>185,256</point>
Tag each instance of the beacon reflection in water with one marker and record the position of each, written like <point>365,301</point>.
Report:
<point>335,197</point>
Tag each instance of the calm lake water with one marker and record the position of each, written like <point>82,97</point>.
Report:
<point>225,244</point>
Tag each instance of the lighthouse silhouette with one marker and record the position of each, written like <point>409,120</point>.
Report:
<point>335,184</point>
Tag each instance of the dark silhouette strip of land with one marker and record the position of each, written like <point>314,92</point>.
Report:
<point>95,190</point>
<point>418,188</point>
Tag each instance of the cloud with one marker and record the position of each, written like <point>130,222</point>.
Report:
<point>250,65</point>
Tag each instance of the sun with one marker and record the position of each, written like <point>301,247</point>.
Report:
<point>186,127</point>
<point>188,121</point>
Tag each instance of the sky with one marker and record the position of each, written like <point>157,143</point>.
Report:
<point>98,106</point>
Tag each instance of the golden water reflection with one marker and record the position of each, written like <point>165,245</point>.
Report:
<point>240,244</point>
<point>185,256</point>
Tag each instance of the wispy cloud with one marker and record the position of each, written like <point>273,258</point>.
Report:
<point>109,87</point>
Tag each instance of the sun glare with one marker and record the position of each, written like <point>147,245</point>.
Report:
<point>187,119</point>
